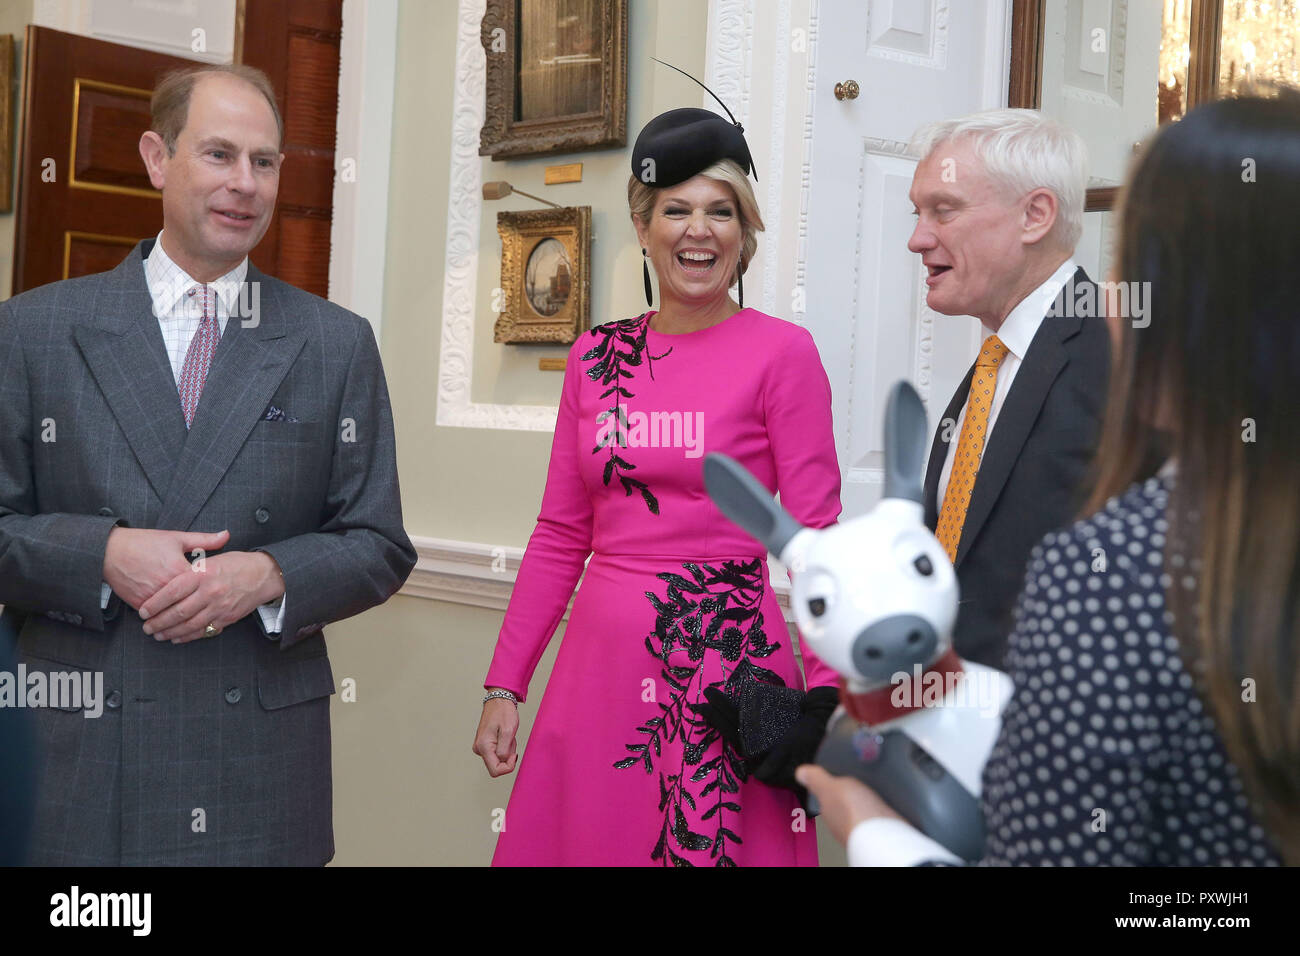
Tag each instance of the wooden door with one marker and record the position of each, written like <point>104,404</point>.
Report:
<point>296,43</point>
<point>84,198</point>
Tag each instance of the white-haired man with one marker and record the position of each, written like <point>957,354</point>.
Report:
<point>998,198</point>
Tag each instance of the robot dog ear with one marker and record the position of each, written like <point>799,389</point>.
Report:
<point>904,443</point>
<point>742,498</point>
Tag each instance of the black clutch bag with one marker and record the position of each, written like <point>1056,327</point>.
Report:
<point>766,714</point>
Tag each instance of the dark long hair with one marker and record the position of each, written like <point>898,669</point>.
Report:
<point>1211,219</point>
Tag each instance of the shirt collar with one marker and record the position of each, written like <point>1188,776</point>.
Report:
<point>1020,327</point>
<point>168,282</point>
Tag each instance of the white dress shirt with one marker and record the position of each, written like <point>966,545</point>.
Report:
<point>178,301</point>
<point>178,304</point>
<point>886,841</point>
<point>1017,331</point>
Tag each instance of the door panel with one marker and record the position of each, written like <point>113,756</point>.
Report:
<point>107,121</point>
<point>915,61</point>
<point>297,44</point>
<point>83,197</point>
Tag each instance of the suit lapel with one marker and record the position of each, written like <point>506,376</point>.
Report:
<point>939,451</point>
<point>247,368</point>
<point>123,347</point>
<point>1043,361</point>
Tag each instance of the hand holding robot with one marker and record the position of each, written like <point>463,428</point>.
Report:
<point>876,598</point>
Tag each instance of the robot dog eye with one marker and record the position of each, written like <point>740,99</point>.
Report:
<point>923,565</point>
<point>817,597</point>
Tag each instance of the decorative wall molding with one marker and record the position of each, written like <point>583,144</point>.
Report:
<point>1118,48</point>
<point>1113,94</point>
<point>455,407</point>
<point>775,172</point>
<point>893,149</point>
<point>477,574</point>
<point>729,44</point>
<point>886,147</point>
<point>463,572</point>
<point>805,166</point>
<point>855,283</point>
<point>730,27</point>
<point>935,57</point>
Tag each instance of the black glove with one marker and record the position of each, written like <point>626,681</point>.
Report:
<point>775,729</point>
<point>800,742</point>
<point>723,715</point>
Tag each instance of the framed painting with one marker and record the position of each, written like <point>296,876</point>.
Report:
<point>545,275</point>
<point>556,76</point>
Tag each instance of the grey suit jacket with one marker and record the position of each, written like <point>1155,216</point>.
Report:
<point>217,751</point>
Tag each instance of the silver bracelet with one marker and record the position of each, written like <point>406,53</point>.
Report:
<point>503,694</point>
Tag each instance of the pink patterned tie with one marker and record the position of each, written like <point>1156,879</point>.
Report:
<point>198,360</point>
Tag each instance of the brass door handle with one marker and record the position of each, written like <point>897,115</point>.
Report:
<point>848,90</point>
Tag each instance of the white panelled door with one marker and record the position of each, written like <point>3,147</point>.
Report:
<point>915,61</point>
<point>1100,74</point>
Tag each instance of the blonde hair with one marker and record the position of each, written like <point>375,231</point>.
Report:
<point>641,200</point>
<point>170,105</point>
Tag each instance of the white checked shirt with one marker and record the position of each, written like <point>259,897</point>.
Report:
<point>1016,332</point>
<point>178,301</point>
<point>178,304</point>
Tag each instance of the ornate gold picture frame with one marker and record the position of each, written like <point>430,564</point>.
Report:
<point>556,76</point>
<point>545,275</point>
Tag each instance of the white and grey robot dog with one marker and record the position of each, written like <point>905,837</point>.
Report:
<point>876,599</point>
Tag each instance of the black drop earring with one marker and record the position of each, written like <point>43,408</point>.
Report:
<point>645,274</point>
<point>740,285</point>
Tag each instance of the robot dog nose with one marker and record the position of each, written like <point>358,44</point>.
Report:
<point>893,644</point>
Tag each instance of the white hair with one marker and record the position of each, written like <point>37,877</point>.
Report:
<point>1022,150</point>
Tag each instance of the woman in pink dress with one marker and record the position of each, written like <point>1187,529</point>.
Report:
<point>625,764</point>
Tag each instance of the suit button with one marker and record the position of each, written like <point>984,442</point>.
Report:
<point>114,701</point>
<point>233,695</point>
<point>262,516</point>
<point>106,513</point>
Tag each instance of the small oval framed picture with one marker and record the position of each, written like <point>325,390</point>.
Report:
<point>545,275</point>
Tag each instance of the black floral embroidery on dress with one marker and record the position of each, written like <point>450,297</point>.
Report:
<point>715,610</point>
<point>622,343</point>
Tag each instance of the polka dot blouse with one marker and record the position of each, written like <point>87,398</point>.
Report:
<point>1107,754</point>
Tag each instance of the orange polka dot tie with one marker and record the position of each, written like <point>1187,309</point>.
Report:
<point>970,446</point>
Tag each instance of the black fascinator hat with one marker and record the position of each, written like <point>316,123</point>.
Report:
<point>678,144</point>
<point>681,143</point>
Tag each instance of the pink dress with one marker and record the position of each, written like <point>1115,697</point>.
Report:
<point>618,770</point>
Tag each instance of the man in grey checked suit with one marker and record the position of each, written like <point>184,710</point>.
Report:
<point>186,406</point>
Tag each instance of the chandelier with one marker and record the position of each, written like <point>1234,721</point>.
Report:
<point>1258,42</point>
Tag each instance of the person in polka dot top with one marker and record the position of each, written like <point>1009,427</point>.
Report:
<point>1156,646</point>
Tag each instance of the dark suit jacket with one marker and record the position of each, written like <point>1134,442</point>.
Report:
<point>217,751</point>
<point>1029,478</point>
